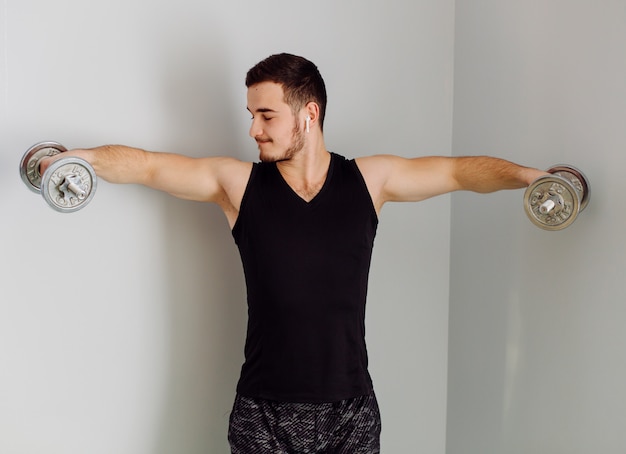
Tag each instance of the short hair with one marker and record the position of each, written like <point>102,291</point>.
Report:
<point>300,79</point>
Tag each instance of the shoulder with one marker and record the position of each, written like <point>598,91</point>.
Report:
<point>375,165</point>
<point>376,169</point>
<point>231,173</point>
<point>226,166</point>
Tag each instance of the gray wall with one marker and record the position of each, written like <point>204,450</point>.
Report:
<point>537,339</point>
<point>122,325</point>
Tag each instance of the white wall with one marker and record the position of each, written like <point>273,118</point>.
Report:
<point>122,325</point>
<point>537,339</point>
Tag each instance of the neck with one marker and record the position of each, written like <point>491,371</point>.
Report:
<point>306,171</point>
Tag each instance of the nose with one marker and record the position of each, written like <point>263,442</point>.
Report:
<point>255,129</point>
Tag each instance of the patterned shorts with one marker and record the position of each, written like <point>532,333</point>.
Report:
<point>350,426</point>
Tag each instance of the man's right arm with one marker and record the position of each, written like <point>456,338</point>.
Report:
<point>221,180</point>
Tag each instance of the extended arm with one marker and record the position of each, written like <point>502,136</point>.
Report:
<point>397,179</point>
<point>220,180</point>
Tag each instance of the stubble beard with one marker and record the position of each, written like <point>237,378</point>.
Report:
<point>297,144</point>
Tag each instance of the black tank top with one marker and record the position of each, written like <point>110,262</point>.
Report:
<point>306,268</point>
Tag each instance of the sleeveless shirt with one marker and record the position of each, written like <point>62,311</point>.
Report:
<point>306,267</point>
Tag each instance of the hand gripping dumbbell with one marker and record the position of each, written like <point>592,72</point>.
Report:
<point>554,201</point>
<point>67,185</point>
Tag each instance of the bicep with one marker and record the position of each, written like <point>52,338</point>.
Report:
<point>200,179</point>
<point>398,179</point>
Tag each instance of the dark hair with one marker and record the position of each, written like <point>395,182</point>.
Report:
<point>300,79</point>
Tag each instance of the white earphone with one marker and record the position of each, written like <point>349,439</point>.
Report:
<point>308,123</point>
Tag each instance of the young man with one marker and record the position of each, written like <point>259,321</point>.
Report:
<point>304,220</point>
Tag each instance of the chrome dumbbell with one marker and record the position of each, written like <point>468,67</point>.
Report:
<point>554,201</point>
<point>67,185</point>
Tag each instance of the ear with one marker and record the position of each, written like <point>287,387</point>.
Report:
<point>312,110</point>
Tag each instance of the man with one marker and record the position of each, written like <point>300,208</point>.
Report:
<point>304,220</point>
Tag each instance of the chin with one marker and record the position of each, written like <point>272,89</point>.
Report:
<point>275,157</point>
<point>267,157</point>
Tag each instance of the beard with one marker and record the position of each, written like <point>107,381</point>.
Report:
<point>297,143</point>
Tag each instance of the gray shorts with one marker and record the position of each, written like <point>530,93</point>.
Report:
<point>349,426</point>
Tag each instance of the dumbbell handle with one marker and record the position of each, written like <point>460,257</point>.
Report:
<point>548,205</point>
<point>74,184</point>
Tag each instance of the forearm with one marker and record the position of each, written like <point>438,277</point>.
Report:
<point>113,163</point>
<point>487,174</point>
<point>121,164</point>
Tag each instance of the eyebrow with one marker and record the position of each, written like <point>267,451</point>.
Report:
<point>262,110</point>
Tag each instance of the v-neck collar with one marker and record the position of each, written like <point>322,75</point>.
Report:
<point>322,190</point>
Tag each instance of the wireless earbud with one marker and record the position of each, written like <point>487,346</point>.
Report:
<point>308,123</point>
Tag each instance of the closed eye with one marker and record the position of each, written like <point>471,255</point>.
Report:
<point>264,113</point>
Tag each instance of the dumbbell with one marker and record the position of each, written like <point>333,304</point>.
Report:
<point>553,202</point>
<point>67,185</point>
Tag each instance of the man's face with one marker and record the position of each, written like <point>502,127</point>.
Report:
<point>274,127</point>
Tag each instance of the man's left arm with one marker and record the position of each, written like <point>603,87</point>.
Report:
<point>397,179</point>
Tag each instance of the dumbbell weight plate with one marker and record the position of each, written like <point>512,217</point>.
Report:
<point>555,190</point>
<point>68,184</point>
<point>29,165</point>
<point>578,180</point>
